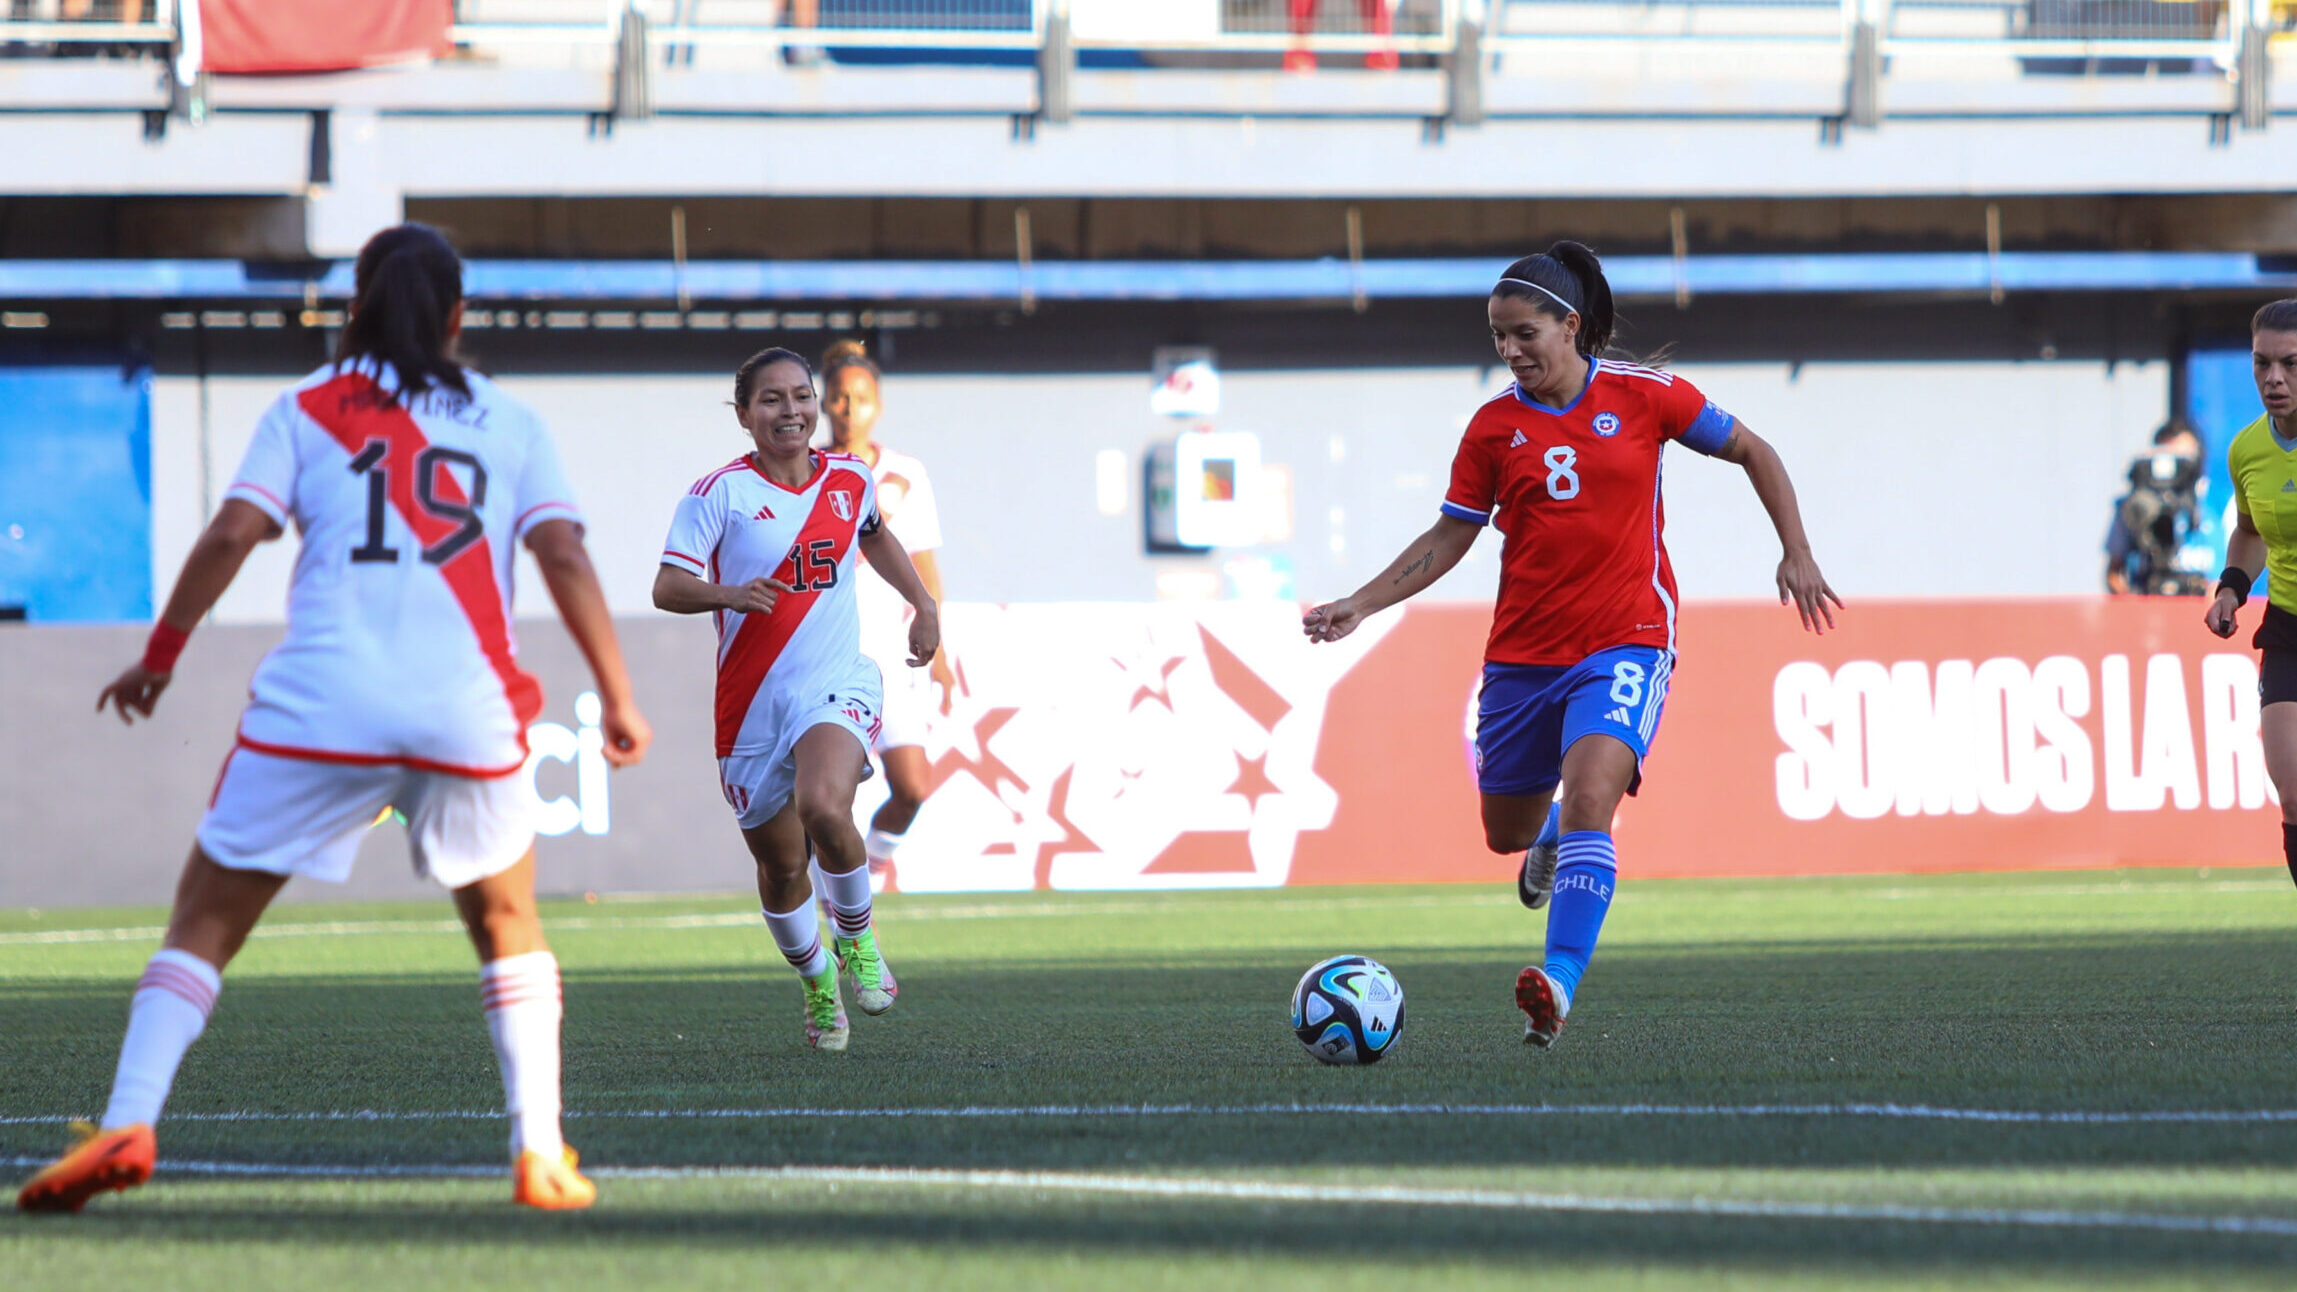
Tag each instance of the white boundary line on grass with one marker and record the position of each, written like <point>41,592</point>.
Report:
<point>719,919</point>
<point>1192,1188</point>
<point>1873,1111</point>
<point>1024,909</point>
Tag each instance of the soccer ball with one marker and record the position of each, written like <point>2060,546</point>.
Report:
<point>1348,1009</point>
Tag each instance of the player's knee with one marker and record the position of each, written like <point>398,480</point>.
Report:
<point>821,813</point>
<point>508,919</point>
<point>1505,837</point>
<point>1590,807</point>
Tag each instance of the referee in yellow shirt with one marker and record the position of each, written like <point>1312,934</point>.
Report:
<point>2263,460</point>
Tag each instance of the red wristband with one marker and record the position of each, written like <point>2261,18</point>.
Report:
<point>161,650</point>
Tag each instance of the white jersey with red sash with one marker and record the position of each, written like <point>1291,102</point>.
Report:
<point>735,525</point>
<point>399,647</point>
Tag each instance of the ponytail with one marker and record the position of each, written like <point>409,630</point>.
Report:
<point>845,354</point>
<point>407,283</point>
<point>1565,279</point>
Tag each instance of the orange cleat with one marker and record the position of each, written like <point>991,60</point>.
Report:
<point>551,1184</point>
<point>101,1160</point>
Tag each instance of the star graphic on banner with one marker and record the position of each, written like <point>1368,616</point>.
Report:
<point>1143,692</point>
<point>989,769</point>
<point>1260,701</point>
<point>1252,780</point>
<point>1057,816</point>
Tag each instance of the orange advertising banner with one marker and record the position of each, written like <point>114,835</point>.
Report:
<point>1967,735</point>
<point>273,36</point>
<point>1176,746</point>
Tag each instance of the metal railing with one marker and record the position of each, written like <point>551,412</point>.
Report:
<point>2123,29</point>
<point>1864,42</point>
<point>1424,27</point>
<point>130,26</point>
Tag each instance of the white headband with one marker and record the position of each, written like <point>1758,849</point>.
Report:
<point>1525,282</point>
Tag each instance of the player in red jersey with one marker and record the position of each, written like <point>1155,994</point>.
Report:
<point>412,481</point>
<point>1566,465</point>
<point>770,544</point>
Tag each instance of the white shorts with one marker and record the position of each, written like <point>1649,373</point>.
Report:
<point>909,706</point>
<point>297,816</point>
<point>757,786</point>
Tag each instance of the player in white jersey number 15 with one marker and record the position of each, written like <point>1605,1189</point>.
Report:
<point>767,544</point>
<point>411,480</point>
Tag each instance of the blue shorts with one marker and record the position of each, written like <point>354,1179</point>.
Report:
<point>1529,714</point>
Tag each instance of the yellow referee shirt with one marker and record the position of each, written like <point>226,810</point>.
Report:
<point>2264,471</point>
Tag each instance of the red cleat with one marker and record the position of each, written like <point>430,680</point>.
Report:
<point>1542,1004</point>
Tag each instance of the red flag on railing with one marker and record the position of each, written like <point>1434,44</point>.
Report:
<point>302,36</point>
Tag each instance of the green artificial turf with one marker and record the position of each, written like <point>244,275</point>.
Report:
<point>1107,1040</point>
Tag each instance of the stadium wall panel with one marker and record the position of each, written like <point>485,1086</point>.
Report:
<point>1140,746</point>
<point>1892,460</point>
<point>75,491</point>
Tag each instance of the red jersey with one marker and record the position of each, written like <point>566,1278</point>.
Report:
<point>1575,492</point>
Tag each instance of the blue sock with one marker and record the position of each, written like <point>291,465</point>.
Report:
<point>1586,872</point>
<point>1553,830</point>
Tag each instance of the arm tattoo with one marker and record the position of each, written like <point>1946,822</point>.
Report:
<point>1425,561</point>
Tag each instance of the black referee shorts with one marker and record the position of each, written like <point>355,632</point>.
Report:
<point>2277,670</point>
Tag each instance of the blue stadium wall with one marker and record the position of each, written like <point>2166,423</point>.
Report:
<point>75,492</point>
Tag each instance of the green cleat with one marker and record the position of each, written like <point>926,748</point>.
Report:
<point>873,984</point>
<point>824,1012</point>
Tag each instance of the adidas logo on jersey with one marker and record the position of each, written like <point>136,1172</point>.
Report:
<point>1518,442</point>
<point>1619,716</point>
<point>2289,486</point>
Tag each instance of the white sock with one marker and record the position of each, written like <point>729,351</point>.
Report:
<point>798,934</point>
<point>881,845</point>
<point>849,899</point>
<point>170,1010</point>
<point>523,1007</point>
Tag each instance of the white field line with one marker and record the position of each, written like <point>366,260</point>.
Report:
<point>1043,910</point>
<point>724,919</point>
<point>1868,1111</point>
<point>1193,1188</point>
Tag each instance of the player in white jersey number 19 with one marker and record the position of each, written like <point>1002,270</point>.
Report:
<point>768,545</point>
<point>410,481</point>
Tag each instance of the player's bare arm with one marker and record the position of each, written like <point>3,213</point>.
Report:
<point>2244,550</point>
<point>682,593</point>
<point>573,583</point>
<point>1423,561</point>
<point>929,573</point>
<point>1799,579</point>
<point>238,528</point>
<point>886,555</point>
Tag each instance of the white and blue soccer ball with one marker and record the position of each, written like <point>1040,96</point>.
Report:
<point>1348,1009</point>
